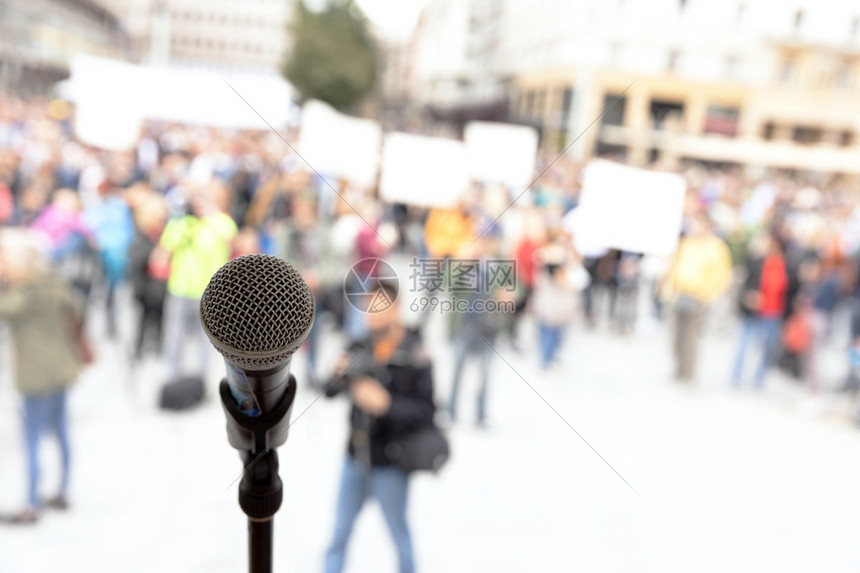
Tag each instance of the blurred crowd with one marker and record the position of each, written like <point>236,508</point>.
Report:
<point>82,224</point>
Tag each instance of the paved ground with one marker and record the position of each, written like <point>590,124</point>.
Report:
<point>726,481</point>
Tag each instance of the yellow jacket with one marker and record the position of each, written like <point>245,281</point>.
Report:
<point>702,269</point>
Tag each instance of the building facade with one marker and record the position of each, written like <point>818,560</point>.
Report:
<point>757,83</point>
<point>454,55</point>
<point>38,38</point>
<point>219,34</point>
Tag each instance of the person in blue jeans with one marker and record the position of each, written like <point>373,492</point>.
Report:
<point>389,379</point>
<point>478,318</point>
<point>472,340</point>
<point>763,331</point>
<point>41,311</point>
<point>549,338</point>
<point>389,486</point>
<point>554,305</point>
<point>762,304</point>
<point>46,414</point>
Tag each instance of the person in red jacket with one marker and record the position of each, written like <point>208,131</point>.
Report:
<point>763,300</point>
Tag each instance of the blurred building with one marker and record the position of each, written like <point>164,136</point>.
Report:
<point>454,51</point>
<point>394,73</point>
<point>755,83</point>
<point>38,38</point>
<point>220,34</point>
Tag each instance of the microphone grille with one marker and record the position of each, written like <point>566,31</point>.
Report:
<point>257,310</point>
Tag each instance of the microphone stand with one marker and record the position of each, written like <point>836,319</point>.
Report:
<point>260,495</point>
<point>261,490</point>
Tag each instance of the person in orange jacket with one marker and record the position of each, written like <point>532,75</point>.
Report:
<point>448,231</point>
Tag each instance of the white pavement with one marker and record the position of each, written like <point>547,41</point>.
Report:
<point>726,481</point>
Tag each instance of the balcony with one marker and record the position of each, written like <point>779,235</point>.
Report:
<point>824,157</point>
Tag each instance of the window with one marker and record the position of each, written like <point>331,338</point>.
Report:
<point>846,138</point>
<point>613,111</point>
<point>722,120</point>
<point>768,130</point>
<point>739,13</point>
<point>806,135</point>
<point>855,27</point>
<point>663,109</point>
<point>566,100</point>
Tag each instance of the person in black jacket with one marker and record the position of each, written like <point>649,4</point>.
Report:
<point>389,378</point>
<point>150,289</point>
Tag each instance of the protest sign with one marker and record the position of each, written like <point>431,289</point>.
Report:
<point>501,153</point>
<point>340,145</point>
<point>421,170</point>
<point>630,209</point>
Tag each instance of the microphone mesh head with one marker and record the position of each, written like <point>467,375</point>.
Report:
<point>257,310</point>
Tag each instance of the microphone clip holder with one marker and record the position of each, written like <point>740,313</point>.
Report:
<point>261,490</point>
<point>256,434</point>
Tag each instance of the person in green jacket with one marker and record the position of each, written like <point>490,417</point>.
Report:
<point>196,246</point>
<point>41,312</point>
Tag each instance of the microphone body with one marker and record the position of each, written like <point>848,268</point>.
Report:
<point>257,311</point>
<point>257,391</point>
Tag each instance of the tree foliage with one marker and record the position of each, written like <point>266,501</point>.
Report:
<point>334,57</point>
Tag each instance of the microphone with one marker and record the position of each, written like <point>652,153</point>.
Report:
<point>256,310</point>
